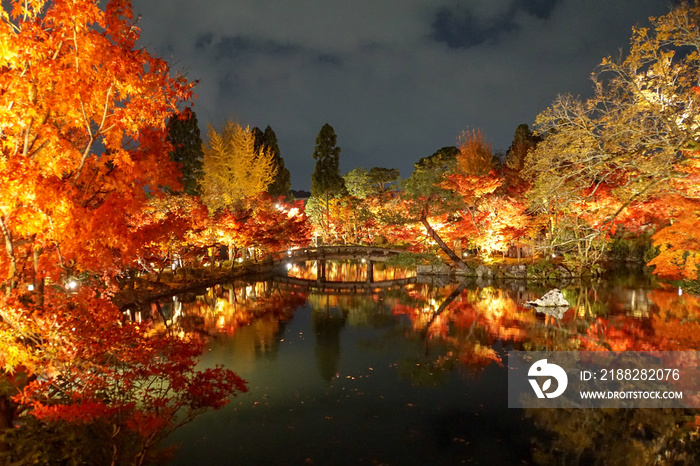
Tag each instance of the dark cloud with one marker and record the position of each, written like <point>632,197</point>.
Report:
<point>328,59</point>
<point>204,40</point>
<point>460,28</point>
<point>235,47</point>
<point>396,82</point>
<point>539,8</point>
<point>231,83</point>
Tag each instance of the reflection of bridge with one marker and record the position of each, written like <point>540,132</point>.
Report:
<point>343,287</point>
<point>366,254</point>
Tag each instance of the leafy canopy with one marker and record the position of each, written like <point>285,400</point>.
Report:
<point>326,180</point>
<point>233,169</point>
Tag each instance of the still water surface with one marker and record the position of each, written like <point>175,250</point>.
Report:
<point>415,374</point>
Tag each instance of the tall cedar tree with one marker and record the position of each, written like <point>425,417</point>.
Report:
<point>524,141</point>
<point>184,136</point>
<point>267,141</point>
<point>326,181</point>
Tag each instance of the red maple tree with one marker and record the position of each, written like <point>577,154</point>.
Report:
<point>82,125</point>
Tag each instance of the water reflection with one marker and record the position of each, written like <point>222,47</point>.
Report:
<point>427,361</point>
<point>348,271</point>
<point>615,436</point>
<point>328,322</point>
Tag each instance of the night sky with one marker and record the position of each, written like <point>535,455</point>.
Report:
<point>397,80</point>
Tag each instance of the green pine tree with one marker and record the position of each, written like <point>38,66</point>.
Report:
<point>326,181</point>
<point>183,134</point>
<point>523,142</point>
<point>281,185</point>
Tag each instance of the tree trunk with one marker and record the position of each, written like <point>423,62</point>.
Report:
<point>12,273</point>
<point>426,332</point>
<point>450,253</point>
<point>232,254</point>
<point>38,279</point>
<point>8,410</point>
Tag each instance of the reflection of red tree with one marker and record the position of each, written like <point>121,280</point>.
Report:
<point>677,322</point>
<point>476,319</point>
<point>615,334</point>
<point>675,326</point>
<point>492,311</point>
<point>225,310</point>
<point>470,324</point>
<point>478,355</point>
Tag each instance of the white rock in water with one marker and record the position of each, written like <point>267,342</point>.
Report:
<point>553,298</point>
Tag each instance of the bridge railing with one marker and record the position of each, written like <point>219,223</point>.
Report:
<point>323,252</point>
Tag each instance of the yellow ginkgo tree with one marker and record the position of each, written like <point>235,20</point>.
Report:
<point>234,169</point>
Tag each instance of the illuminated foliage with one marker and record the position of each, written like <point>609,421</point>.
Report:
<point>274,226</point>
<point>82,120</point>
<point>475,156</point>
<point>132,388</point>
<point>428,201</point>
<point>83,146</point>
<point>362,183</point>
<point>487,220</point>
<point>636,138</point>
<point>233,169</point>
<point>679,243</point>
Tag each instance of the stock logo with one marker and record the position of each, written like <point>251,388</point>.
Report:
<point>545,372</point>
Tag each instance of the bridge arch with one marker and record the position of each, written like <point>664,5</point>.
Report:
<point>367,254</point>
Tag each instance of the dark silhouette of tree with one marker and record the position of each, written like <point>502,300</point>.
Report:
<point>326,180</point>
<point>328,324</point>
<point>281,185</point>
<point>381,178</point>
<point>523,141</point>
<point>184,135</point>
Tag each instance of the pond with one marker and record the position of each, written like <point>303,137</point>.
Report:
<point>415,374</point>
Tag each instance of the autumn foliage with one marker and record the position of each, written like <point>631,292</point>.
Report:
<point>86,203</point>
<point>82,125</point>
